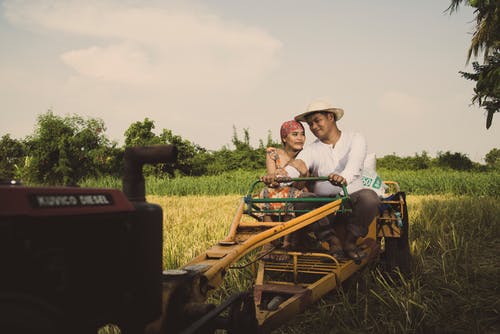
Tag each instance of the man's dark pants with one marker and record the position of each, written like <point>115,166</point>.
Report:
<point>365,204</point>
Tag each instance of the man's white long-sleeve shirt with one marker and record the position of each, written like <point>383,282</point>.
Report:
<point>346,158</point>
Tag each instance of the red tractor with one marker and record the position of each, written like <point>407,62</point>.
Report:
<point>75,259</point>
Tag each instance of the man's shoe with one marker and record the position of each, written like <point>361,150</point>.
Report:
<point>354,253</point>
<point>335,247</point>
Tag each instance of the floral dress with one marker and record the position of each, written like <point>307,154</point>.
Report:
<point>280,209</point>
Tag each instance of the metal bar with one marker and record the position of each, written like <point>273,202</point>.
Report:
<point>295,272</point>
<point>295,199</point>
<point>237,251</point>
<point>235,223</point>
<point>210,316</point>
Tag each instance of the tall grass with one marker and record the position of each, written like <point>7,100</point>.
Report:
<point>192,224</point>
<point>236,182</point>
<point>424,182</point>
<point>439,181</point>
<point>453,287</point>
<point>230,183</point>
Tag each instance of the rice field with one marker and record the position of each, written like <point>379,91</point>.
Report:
<point>454,240</point>
<point>453,287</point>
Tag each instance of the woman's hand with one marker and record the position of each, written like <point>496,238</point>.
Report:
<point>270,180</point>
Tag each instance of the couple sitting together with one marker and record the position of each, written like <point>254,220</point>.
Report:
<point>340,156</point>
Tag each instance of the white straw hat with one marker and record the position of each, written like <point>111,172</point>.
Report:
<point>320,106</point>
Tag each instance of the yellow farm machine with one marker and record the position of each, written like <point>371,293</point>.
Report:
<point>75,259</point>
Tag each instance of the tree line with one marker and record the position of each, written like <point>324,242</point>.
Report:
<point>64,150</point>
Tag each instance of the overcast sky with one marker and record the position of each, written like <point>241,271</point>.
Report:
<point>199,68</point>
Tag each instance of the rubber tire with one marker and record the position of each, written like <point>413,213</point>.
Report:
<point>397,250</point>
<point>242,317</point>
<point>28,314</point>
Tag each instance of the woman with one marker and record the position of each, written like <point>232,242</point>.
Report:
<point>293,138</point>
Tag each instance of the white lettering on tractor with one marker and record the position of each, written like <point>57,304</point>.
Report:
<point>93,200</point>
<point>60,200</point>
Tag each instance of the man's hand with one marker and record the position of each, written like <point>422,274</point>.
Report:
<point>337,180</point>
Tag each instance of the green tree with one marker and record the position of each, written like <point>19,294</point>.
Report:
<point>458,161</point>
<point>486,38</point>
<point>141,134</point>
<point>394,162</point>
<point>65,149</point>
<point>12,155</point>
<point>245,156</point>
<point>108,160</point>
<point>492,158</point>
<point>191,158</point>
<point>422,161</point>
<point>487,90</point>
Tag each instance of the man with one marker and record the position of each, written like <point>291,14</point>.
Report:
<point>340,156</point>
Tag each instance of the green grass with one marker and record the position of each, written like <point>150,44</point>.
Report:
<point>453,287</point>
<point>438,181</point>
<point>236,182</point>
<point>454,241</point>
<point>424,182</point>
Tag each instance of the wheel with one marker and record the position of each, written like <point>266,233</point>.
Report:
<point>396,253</point>
<point>242,318</point>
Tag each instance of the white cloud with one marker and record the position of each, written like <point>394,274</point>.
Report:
<point>161,46</point>
<point>115,63</point>
<point>185,68</point>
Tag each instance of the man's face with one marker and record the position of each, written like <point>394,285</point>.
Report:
<point>321,124</point>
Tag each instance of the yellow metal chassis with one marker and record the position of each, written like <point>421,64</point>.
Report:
<point>247,236</point>
<point>292,294</point>
<point>324,274</point>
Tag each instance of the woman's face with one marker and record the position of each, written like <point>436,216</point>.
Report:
<point>295,140</point>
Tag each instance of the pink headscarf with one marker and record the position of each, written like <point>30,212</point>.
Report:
<point>290,126</point>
